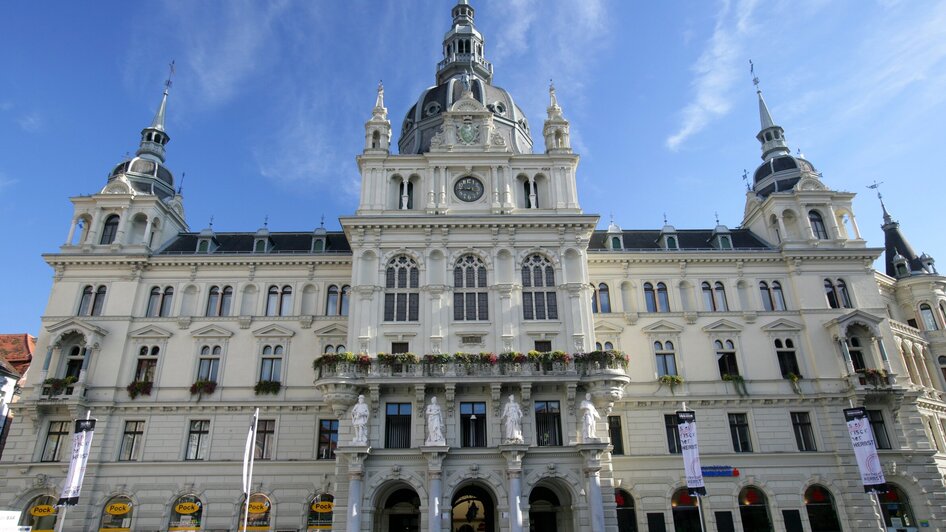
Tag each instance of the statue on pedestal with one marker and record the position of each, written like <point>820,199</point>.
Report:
<point>434,424</point>
<point>589,416</point>
<point>359,422</point>
<point>512,422</point>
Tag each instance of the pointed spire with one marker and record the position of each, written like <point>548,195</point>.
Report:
<point>771,135</point>
<point>154,137</point>
<point>897,249</point>
<point>765,117</point>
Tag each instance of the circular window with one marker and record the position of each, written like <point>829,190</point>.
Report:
<point>500,108</point>
<point>408,124</point>
<point>431,109</point>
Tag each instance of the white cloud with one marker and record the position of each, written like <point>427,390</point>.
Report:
<point>717,69</point>
<point>30,122</point>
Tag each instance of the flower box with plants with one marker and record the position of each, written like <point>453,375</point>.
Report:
<point>671,381</point>
<point>873,376</point>
<point>267,387</point>
<point>397,359</point>
<point>137,388</point>
<point>550,361</point>
<point>609,359</point>
<point>794,378</point>
<point>58,386</point>
<point>332,363</point>
<point>738,382</point>
<point>203,387</point>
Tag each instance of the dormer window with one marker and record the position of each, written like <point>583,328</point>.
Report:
<point>616,242</point>
<point>203,245</point>
<point>725,242</point>
<point>671,243</point>
<point>318,244</point>
<point>260,245</point>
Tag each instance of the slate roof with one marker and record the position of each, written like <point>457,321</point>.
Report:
<point>231,243</point>
<point>688,240</point>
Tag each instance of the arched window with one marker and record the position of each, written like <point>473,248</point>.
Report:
<point>772,296</point>
<point>329,348</point>
<point>726,358</point>
<point>819,503</point>
<point>527,193</point>
<point>627,518</point>
<point>598,346</point>
<point>538,304</point>
<point>843,295</point>
<point>154,302</point>
<point>402,297</point>
<point>831,294</point>
<point>331,301</point>
<point>272,301</point>
<point>320,512</point>
<point>896,505</point>
<point>719,292</point>
<point>117,514</point>
<point>109,229</point>
<point>601,299</point>
<point>40,514</point>
<point>608,346</point>
<point>942,366</point>
<point>279,301</point>
<point>186,513</point>
<point>709,303</point>
<point>725,242</point>
<point>147,363</point>
<point>259,246</point>
<point>74,362</point>
<point>929,320</point>
<point>856,349</point>
<point>666,359</point>
<point>271,363</point>
<point>787,360</point>
<point>672,242</point>
<point>754,509</point>
<point>663,298</point>
<point>650,297</point>
<point>85,302</point>
<point>203,246</point>
<point>343,303</point>
<point>470,298</point>
<point>767,303</point>
<point>410,195</point>
<point>209,363</point>
<point>778,296</point>
<point>339,348</point>
<point>817,225</point>
<point>686,515</point>
<point>99,301</point>
<point>166,299</point>
<point>942,311</point>
<point>219,301</point>
<point>616,242</point>
<point>213,301</point>
<point>285,301</point>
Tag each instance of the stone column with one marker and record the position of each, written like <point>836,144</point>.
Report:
<point>38,391</point>
<point>592,468</point>
<point>145,238</point>
<point>883,355</point>
<point>92,234</point>
<point>806,223</point>
<point>781,227</point>
<point>356,456</point>
<point>847,354</point>
<point>434,456</point>
<point>514,455</point>
<point>72,231</point>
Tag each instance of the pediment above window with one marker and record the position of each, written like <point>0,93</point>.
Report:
<point>273,331</point>
<point>150,332</point>
<point>212,331</point>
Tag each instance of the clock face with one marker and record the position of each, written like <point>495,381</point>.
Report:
<point>468,188</point>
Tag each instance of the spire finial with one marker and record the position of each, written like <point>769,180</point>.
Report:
<point>875,186</point>
<point>266,221</point>
<point>745,178</point>
<point>755,79</point>
<point>717,217</point>
<point>167,82</point>
<point>553,100</point>
<point>379,103</point>
<point>180,186</point>
<point>211,225</point>
<point>665,218</point>
<point>322,222</point>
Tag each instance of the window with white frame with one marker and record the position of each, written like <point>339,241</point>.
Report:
<point>666,358</point>
<point>336,300</point>
<point>401,293</point>
<point>109,229</point>
<point>600,299</point>
<point>929,319</point>
<point>817,225</point>
<point>159,302</point>
<point>279,301</point>
<point>147,363</point>
<point>837,294</point>
<point>470,296</point>
<point>92,300</point>
<point>56,439</point>
<point>219,300</point>
<point>772,296</point>
<point>714,297</point>
<point>656,297</point>
<point>787,359</point>
<point>198,435</point>
<point>209,363</point>
<point>538,289</point>
<point>726,358</point>
<point>271,362</point>
<point>132,439</point>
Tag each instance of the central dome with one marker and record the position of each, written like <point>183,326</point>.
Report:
<point>424,118</point>
<point>464,65</point>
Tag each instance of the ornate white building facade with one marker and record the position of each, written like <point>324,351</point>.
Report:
<point>473,253</point>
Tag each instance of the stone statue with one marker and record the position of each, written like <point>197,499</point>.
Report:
<point>465,80</point>
<point>589,416</point>
<point>512,422</point>
<point>434,424</point>
<point>359,422</point>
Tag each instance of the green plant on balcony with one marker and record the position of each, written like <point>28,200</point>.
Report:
<point>488,358</point>
<point>465,359</point>
<point>397,359</point>
<point>604,359</point>
<point>361,361</point>
<point>436,358</point>
<point>670,381</point>
<point>203,387</point>
<point>794,378</point>
<point>874,376</point>
<point>137,388</point>
<point>512,357</point>
<point>267,387</point>
<point>738,382</point>
<point>58,386</point>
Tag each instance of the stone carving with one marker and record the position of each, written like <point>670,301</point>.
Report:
<point>468,133</point>
<point>359,422</point>
<point>434,424</point>
<point>437,140</point>
<point>512,422</point>
<point>589,416</point>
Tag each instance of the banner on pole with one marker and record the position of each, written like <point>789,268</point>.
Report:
<point>248,453</point>
<point>81,444</point>
<point>686,426</point>
<point>865,450</point>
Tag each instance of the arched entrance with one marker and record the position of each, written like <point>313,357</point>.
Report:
<point>686,514</point>
<point>549,510</point>
<point>627,517</point>
<point>898,514</point>
<point>473,510</point>
<point>820,507</point>
<point>400,512</point>
<point>754,510</point>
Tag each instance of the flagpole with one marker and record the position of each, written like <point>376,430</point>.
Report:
<point>248,475</point>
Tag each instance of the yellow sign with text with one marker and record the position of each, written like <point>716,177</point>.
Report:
<point>323,507</point>
<point>187,508</point>
<point>42,510</point>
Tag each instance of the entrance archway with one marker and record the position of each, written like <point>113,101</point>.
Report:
<point>549,510</point>
<point>400,512</point>
<point>473,510</point>
<point>686,514</point>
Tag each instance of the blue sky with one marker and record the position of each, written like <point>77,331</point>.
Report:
<point>269,100</point>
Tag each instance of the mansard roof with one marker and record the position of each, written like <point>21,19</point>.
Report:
<point>688,240</point>
<point>231,243</point>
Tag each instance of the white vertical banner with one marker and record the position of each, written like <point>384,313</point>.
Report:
<point>686,425</point>
<point>81,444</point>
<point>865,450</point>
<point>248,455</point>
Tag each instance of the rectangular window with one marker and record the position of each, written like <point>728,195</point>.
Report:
<point>56,438</point>
<point>804,434</point>
<point>328,439</point>
<point>726,360</point>
<point>673,434</point>
<point>739,429</point>
<point>877,426</point>
<point>616,434</point>
<point>543,346</point>
<point>265,436</point>
<point>397,426</point>
<point>131,440</point>
<point>197,437</point>
<point>400,347</point>
<point>271,369</point>
<point>207,370</point>
<point>788,363</point>
<point>145,370</point>
<point>473,424</point>
<point>388,307</point>
<point>666,364</point>
<point>548,423</point>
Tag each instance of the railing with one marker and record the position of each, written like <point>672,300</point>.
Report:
<point>465,58</point>
<point>351,370</point>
